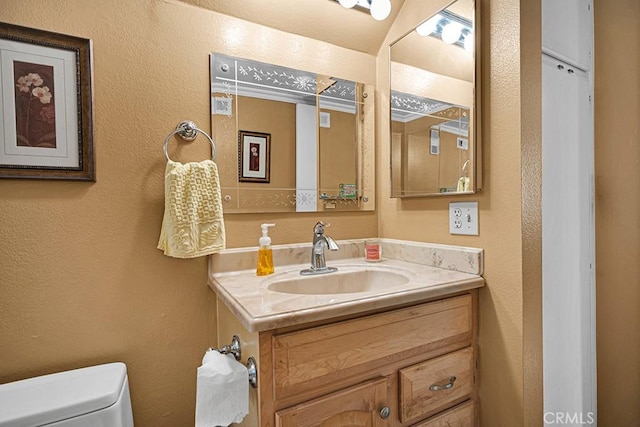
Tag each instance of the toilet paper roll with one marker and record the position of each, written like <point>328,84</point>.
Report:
<point>222,395</point>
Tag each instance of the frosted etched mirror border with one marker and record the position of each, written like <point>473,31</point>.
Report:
<point>434,129</point>
<point>321,131</point>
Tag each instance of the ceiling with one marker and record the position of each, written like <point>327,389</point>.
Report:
<point>323,20</point>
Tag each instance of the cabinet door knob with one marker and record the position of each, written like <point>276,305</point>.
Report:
<point>446,386</point>
<point>385,412</point>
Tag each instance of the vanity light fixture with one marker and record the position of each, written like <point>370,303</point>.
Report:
<point>451,32</point>
<point>428,26</point>
<point>469,43</point>
<point>451,28</point>
<point>379,9</point>
<point>348,3</point>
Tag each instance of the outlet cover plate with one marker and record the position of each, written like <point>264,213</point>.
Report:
<point>463,218</point>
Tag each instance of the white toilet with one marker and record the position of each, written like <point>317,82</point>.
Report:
<point>97,396</point>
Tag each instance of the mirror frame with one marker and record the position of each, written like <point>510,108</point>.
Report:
<point>243,197</point>
<point>476,123</point>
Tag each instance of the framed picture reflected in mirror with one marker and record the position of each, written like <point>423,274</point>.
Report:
<point>254,162</point>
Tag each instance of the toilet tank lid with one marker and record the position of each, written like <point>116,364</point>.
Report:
<point>55,397</point>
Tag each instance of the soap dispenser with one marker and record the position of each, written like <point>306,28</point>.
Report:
<point>265,254</point>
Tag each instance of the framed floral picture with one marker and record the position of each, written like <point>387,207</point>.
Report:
<point>46,108</point>
<point>254,152</point>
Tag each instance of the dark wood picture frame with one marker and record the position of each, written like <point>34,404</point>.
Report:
<point>46,80</point>
<point>254,151</point>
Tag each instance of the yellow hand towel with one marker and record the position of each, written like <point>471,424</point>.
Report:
<point>192,225</point>
<point>463,184</point>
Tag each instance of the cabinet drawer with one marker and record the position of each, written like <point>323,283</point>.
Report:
<point>306,360</point>
<point>435,385</point>
<point>460,416</point>
<point>356,406</point>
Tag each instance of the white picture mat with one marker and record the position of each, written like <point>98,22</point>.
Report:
<point>66,153</point>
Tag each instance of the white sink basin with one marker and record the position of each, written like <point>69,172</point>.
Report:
<point>340,282</point>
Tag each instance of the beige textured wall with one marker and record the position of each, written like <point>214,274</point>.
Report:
<point>617,153</point>
<point>439,86</point>
<point>279,120</point>
<point>501,336</point>
<point>338,151</point>
<point>442,58</point>
<point>423,171</point>
<point>531,153</point>
<point>81,281</point>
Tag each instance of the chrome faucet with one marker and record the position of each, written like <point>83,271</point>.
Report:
<point>321,242</point>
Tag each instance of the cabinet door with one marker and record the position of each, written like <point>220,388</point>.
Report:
<point>358,406</point>
<point>566,31</point>
<point>460,416</point>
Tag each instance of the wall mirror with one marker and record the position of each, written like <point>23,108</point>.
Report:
<point>291,140</point>
<point>435,145</point>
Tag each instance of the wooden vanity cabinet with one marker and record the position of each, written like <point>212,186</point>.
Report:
<point>412,366</point>
<point>360,405</point>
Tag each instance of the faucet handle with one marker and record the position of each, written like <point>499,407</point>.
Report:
<point>320,226</point>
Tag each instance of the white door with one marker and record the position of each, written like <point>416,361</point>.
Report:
<point>567,245</point>
<point>306,158</point>
<point>566,31</point>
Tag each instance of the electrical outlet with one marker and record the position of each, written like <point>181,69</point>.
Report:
<point>462,143</point>
<point>463,218</point>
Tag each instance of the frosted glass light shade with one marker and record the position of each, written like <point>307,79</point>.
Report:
<point>348,3</point>
<point>380,9</point>
<point>428,27</point>
<point>469,43</point>
<point>451,32</point>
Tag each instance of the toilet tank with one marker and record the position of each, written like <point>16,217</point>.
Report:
<point>97,396</point>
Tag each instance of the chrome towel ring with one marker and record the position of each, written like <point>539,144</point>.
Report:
<point>188,131</point>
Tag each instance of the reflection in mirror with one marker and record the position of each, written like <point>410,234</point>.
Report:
<point>316,131</point>
<point>434,147</point>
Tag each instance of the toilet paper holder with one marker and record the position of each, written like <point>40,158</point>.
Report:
<point>235,350</point>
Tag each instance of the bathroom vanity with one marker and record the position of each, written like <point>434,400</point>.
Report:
<point>382,344</point>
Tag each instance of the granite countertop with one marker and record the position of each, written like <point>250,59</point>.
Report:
<point>432,270</point>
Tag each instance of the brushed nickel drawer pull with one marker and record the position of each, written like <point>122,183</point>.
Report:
<point>447,386</point>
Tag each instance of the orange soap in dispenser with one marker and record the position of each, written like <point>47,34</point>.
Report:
<point>265,254</point>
